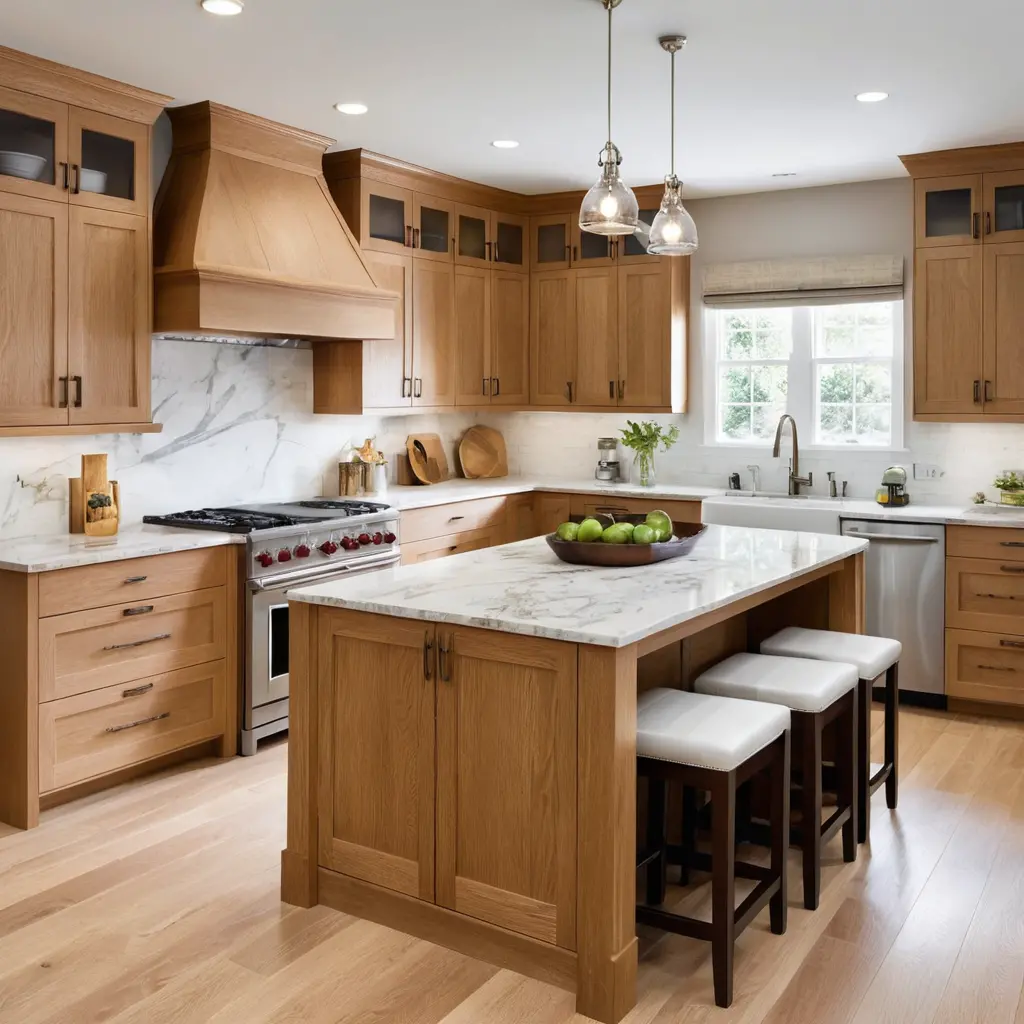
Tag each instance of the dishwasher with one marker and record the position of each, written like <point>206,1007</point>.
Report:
<point>905,572</point>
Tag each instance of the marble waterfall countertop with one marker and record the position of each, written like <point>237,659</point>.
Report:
<point>524,588</point>
<point>65,551</point>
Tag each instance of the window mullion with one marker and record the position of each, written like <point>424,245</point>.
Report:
<point>800,404</point>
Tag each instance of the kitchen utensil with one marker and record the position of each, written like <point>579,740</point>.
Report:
<point>482,453</point>
<point>625,555</point>
<point>427,458</point>
<point>92,181</point>
<point>352,478</point>
<point>21,165</point>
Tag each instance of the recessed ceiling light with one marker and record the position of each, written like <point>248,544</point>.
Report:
<point>223,7</point>
<point>872,97</point>
<point>505,144</point>
<point>351,108</point>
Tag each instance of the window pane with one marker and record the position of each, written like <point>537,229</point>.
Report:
<point>872,383</point>
<point>765,420</point>
<point>860,329</point>
<point>735,422</point>
<point>739,344</point>
<point>756,334</point>
<point>768,384</point>
<point>835,382</point>
<point>873,424</point>
<point>735,384</point>
<point>835,423</point>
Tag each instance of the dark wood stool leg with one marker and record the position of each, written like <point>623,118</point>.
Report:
<point>689,845</point>
<point>723,884</point>
<point>656,799</point>
<point>847,771</point>
<point>779,780</point>
<point>810,828</point>
<point>864,760</point>
<point>892,734</point>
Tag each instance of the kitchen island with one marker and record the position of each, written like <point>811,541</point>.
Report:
<point>462,750</point>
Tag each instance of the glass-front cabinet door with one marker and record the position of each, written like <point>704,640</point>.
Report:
<point>629,247</point>
<point>1004,207</point>
<point>385,218</point>
<point>473,243</point>
<point>109,162</point>
<point>590,250</point>
<point>510,235</point>
<point>33,146</point>
<point>551,242</point>
<point>433,228</point>
<point>949,210</point>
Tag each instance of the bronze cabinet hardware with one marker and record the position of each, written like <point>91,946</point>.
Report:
<point>455,519</point>
<point>568,254</point>
<point>135,579</point>
<point>141,721</point>
<point>417,387</point>
<point>988,222</point>
<point>495,386</point>
<point>1000,597</point>
<point>996,668</point>
<point>408,236</point>
<point>1011,543</point>
<point>142,609</point>
<point>63,403</point>
<point>415,238</point>
<point>1011,643</point>
<point>138,643</point>
<point>1011,568</point>
<point>78,391</point>
<point>489,250</point>
<point>64,175</point>
<point>568,390</point>
<point>407,387</point>
<point>622,390</point>
<point>977,391</point>
<point>444,666</point>
<point>988,391</point>
<point>483,385</point>
<point>976,225</point>
<point>571,389</point>
<point>575,255</point>
<point>611,389</point>
<point>428,656</point>
<point>76,182</point>
<point>137,691</point>
<point>497,259</point>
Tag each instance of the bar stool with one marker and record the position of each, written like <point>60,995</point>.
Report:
<point>873,656</point>
<point>817,693</point>
<point>714,744</point>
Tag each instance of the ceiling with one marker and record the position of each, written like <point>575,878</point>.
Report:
<point>764,88</point>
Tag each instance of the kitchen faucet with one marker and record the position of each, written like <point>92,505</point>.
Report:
<point>795,480</point>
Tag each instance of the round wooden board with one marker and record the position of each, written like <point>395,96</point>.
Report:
<point>482,453</point>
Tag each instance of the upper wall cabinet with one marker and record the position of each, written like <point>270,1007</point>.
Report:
<point>75,260</point>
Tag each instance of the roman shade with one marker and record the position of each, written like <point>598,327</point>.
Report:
<point>816,280</point>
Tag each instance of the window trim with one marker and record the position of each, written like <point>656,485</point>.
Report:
<point>801,396</point>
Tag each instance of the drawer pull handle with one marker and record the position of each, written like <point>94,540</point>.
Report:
<point>138,643</point>
<point>1011,568</point>
<point>455,519</point>
<point>1011,543</point>
<point>142,609</point>
<point>137,691</point>
<point>1000,597</point>
<point>997,668</point>
<point>1011,643</point>
<point>136,579</point>
<point>141,721</point>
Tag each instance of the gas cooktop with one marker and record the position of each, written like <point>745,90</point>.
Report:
<point>250,519</point>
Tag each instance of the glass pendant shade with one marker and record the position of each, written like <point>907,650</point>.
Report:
<point>673,232</point>
<point>610,208</point>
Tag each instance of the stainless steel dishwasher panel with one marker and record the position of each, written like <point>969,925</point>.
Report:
<point>905,568</point>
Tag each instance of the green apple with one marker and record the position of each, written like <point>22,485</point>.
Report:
<point>615,535</point>
<point>644,534</point>
<point>589,531</point>
<point>661,523</point>
<point>568,531</point>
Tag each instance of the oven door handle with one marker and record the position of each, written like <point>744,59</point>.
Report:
<point>304,576</point>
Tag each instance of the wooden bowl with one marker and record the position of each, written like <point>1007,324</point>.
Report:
<point>624,555</point>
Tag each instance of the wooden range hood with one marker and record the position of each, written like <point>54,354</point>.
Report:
<point>248,241</point>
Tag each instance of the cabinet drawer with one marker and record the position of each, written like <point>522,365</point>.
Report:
<point>985,666</point>
<point>133,579</point>
<point>453,544</point>
<point>680,511</point>
<point>985,542</point>
<point>88,650</point>
<point>94,733</point>
<point>459,517</point>
<point>985,594</point>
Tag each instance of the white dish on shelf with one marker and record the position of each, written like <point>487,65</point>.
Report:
<point>92,181</point>
<point>21,165</point>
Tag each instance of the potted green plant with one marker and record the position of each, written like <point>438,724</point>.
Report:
<point>1010,484</point>
<point>644,439</point>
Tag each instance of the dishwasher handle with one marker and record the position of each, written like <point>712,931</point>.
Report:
<point>912,538</point>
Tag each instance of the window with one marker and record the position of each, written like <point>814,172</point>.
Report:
<point>837,369</point>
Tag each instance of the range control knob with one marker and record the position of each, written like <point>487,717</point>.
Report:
<point>265,558</point>
<point>328,547</point>
<point>302,551</point>
<point>389,538</point>
<point>284,555</point>
<point>365,538</point>
<point>349,543</point>
<point>378,538</point>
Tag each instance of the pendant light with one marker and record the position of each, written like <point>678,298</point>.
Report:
<point>610,208</point>
<point>673,232</point>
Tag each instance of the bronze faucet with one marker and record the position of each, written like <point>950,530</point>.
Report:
<point>795,480</point>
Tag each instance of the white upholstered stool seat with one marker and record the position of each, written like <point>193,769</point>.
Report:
<point>797,683</point>
<point>871,654</point>
<point>704,731</point>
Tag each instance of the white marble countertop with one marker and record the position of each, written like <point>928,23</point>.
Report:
<point>65,551</point>
<point>524,588</point>
<point>970,515</point>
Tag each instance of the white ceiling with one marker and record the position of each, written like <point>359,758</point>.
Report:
<point>763,87</point>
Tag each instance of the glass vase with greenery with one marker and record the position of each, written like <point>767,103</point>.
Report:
<point>644,439</point>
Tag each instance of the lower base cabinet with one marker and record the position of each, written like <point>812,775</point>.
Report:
<point>448,744</point>
<point>985,666</point>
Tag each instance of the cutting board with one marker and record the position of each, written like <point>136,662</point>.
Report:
<point>482,453</point>
<point>95,501</point>
<point>427,458</point>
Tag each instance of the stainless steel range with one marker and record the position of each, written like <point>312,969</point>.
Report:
<point>289,545</point>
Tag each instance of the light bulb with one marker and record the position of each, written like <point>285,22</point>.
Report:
<point>672,232</point>
<point>609,206</point>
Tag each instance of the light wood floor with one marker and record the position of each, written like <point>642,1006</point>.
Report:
<point>157,903</point>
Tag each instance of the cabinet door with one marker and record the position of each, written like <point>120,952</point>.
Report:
<point>33,311</point>
<point>109,324</point>
<point>1004,207</point>
<point>597,337</point>
<point>521,516</point>
<point>376,786</point>
<point>948,330</point>
<point>473,243</point>
<point>553,337</point>
<point>590,250</point>
<point>109,162</point>
<point>472,336</point>
<point>385,218</point>
<point>947,210</point>
<point>33,146</point>
<point>552,511</point>
<point>630,249</point>
<point>433,228</point>
<point>1004,329</point>
<point>510,338</point>
<point>645,334</point>
<point>506,781</point>
<point>387,365</point>
<point>433,333</point>
<point>511,238</point>
<point>552,242</point>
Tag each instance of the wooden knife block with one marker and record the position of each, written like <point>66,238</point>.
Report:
<point>103,518</point>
